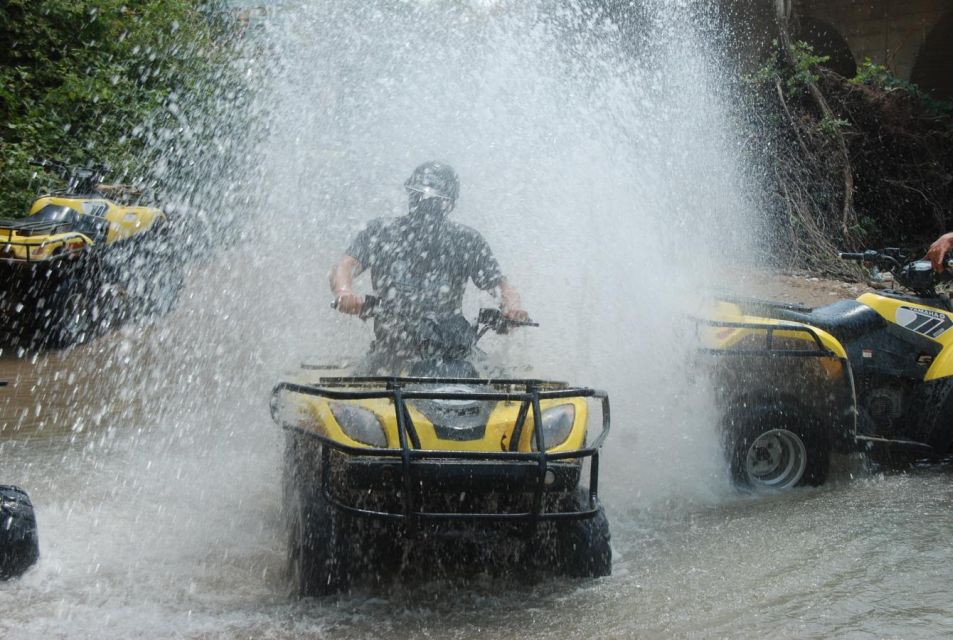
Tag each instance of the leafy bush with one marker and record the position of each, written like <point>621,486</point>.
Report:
<point>86,81</point>
<point>848,162</point>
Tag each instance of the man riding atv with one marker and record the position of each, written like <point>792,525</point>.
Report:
<point>420,264</point>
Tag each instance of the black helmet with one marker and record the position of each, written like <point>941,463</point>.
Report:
<point>434,180</point>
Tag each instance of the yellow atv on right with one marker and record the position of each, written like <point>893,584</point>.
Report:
<point>873,374</point>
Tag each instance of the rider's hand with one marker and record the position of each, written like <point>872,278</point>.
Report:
<point>517,314</point>
<point>938,251</point>
<point>510,304</point>
<point>349,302</point>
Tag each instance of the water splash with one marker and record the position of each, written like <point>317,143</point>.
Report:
<point>597,154</point>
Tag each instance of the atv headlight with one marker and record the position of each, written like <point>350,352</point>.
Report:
<point>360,424</point>
<point>557,425</point>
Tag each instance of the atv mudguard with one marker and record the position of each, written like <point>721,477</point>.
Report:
<point>761,364</point>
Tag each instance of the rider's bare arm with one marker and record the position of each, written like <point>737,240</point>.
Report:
<point>342,283</point>
<point>938,249</point>
<point>510,302</point>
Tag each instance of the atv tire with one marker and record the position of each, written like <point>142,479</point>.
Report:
<point>583,547</point>
<point>19,544</point>
<point>317,537</point>
<point>935,425</point>
<point>774,448</point>
<point>72,322</point>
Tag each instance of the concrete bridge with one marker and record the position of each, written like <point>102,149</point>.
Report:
<point>912,38</point>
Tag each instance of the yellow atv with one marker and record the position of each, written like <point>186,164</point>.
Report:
<point>83,259</point>
<point>384,474</point>
<point>873,374</point>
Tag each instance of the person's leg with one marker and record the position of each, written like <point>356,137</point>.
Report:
<point>378,362</point>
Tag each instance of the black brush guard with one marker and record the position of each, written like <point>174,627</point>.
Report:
<point>411,456</point>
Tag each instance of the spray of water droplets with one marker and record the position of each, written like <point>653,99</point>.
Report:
<point>597,151</point>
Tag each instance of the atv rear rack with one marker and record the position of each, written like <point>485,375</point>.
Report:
<point>767,355</point>
<point>27,228</point>
<point>412,457</point>
<point>769,349</point>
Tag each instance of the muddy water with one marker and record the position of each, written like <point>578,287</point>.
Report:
<point>147,535</point>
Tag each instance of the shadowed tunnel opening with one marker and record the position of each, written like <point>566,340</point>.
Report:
<point>827,41</point>
<point>933,71</point>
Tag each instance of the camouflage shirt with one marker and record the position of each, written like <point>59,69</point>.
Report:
<point>424,270</point>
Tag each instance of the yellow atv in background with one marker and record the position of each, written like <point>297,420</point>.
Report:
<point>873,374</point>
<point>388,475</point>
<point>84,259</point>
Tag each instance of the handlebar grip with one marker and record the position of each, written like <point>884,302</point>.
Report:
<point>495,319</point>
<point>858,257</point>
<point>369,307</point>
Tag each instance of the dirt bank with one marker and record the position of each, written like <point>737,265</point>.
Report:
<point>804,288</point>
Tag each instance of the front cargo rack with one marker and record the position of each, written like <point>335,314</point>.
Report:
<point>528,392</point>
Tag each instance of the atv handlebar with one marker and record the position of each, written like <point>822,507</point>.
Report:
<point>494,319</point>
<point>856,257</point>
<point>77,178</point>
<point>916,275</point>
<point>888,258</point>
<point>368,309</point>
<point>489,318</point>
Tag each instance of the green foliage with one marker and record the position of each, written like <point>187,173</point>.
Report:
<point>879,76</point>
<point>86,81</point>
<point>796,77</point>
<point>883,138</point>
<point>830,126</point>
<point>770,70</point>
<point>805,67</point>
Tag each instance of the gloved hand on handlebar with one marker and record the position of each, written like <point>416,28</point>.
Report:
<point>938,250</point>
<point>510,303</point>
<point>346,301</point>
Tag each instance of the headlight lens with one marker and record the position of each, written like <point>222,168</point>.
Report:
<point>557,425</point>
<point>360,424</point>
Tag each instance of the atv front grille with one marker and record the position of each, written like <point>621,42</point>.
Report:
<point>415,485</point>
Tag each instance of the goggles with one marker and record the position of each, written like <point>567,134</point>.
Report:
<point>427,192</point>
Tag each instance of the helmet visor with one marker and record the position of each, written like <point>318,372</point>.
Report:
<point>426,192</point>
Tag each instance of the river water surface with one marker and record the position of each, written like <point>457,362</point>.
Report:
<point>147,536</point>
